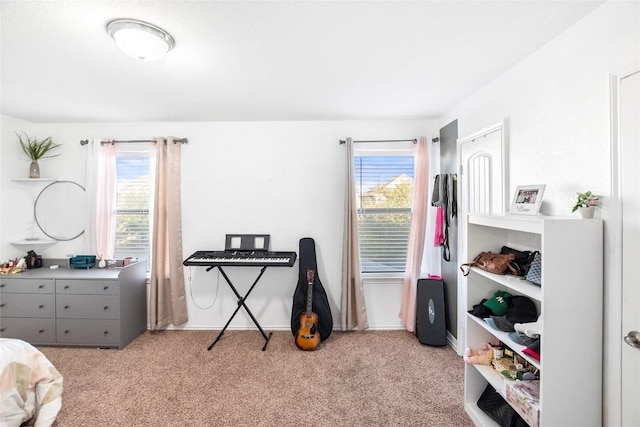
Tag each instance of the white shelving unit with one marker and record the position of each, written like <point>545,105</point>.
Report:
<point>569,300</point>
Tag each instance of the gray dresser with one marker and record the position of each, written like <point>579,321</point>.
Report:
<point>75,307</point>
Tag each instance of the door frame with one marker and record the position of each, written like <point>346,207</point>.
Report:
<point>612,353</point>
<point>500,126</point>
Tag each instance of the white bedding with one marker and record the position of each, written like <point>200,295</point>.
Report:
<point>30,386</point>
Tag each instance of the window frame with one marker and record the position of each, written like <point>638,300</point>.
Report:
<point>138,150</point>
<point>384,149</point>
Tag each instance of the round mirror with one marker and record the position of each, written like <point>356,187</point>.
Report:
<point>59,210</point>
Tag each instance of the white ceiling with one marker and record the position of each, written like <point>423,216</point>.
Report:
<point>266,60</point>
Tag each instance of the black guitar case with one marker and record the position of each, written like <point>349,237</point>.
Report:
<point>319,300</point>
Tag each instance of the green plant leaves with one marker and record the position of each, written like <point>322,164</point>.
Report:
<point>37,149</point>
<point>586,199</point>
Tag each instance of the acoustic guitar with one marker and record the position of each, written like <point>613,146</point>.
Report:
<point>308,337</point>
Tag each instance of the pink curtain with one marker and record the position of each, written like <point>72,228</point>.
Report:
<point>167,291</point>
<point>100,229</point>
<point>106,219</point>
<point>352,307</point>
<point>416,237</point>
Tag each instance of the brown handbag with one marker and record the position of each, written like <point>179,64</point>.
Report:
<point>488,261</point>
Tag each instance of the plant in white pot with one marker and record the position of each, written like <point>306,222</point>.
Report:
<point>36,149</point>
<point>586,204</point>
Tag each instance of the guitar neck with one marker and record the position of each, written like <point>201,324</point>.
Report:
<point>310,278</point>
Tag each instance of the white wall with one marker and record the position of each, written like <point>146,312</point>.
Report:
<point>556,102</point>
<point>280,178</point>
<point>557,106</point>
<point>10,201</point>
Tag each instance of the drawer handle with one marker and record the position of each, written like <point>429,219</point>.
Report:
<point>105,288</point>
<point>2,305</point>
<point>66,307</point>
<point>66,332</point>
<point>66,286</point>
<point>3,329</point>
<point>2,285</point>
<point>41,306</point>
<point>106,307</point>
<point>106,332</point>
<point>41,286</point>
<point>41,331</point>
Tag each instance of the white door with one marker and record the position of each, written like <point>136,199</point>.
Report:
<point>482,186</point>
<point>482,173</point>
<point>630,198</point>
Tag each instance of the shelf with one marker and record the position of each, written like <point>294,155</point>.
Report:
<point>518,284</point>
<point>504,337</point>
<point>497,382</point>
<point>38,242</point>
<point>34,179</point>
<point>528,224</point>
<point>493,378</point>
<point>478,416</point>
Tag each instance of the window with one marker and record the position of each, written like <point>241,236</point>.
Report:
<point>384,186</point>
<point>134,198</point>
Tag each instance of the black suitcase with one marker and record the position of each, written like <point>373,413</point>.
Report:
<point>431,328</point>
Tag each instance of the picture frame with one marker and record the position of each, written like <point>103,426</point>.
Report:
<point>527,199</point>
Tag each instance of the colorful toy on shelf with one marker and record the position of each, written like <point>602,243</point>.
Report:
<point>481,356</point>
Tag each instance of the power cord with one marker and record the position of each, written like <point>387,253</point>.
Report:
<point>191,292</point>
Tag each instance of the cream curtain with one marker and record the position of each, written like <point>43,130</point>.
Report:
<point>167,291</point>
<point>100,178</point>
<point>416,236</point>
<point>353,311</point>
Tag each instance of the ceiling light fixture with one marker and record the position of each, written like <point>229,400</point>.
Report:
<point>140,39</point>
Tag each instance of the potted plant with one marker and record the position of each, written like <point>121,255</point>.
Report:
<point>36,149</point>
<point>586,204</point>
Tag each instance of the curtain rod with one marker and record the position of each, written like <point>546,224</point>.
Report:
<point>114,141</point>
<point>415,141</point>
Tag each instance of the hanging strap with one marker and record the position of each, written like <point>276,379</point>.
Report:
<point>446,252</point>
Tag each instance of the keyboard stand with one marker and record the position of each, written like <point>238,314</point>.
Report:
<point>241,303</point>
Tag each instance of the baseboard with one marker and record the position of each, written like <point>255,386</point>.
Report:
<point>219,327</point>
<point>451,340</point>
<point>453,343</point>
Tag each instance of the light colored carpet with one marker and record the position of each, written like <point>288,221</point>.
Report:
<point>376,378</point>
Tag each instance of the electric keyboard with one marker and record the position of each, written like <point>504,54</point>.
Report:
<point>241,258</point>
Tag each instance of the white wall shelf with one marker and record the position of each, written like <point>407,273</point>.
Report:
<point>40,180</point>
<point>569,300</point>
<point>33,243</point>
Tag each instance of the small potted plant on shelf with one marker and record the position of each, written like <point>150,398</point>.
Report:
<point>586,204</point>
<point>36,149</point>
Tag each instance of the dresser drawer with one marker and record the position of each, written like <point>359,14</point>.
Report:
<point>27,305</point>
<point>87,307</point>
<point>87,287</point>
<point>34,331</point>
<point>89,332</point>
<point>26,286</point>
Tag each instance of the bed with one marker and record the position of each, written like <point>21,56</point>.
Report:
<point>30,386</point>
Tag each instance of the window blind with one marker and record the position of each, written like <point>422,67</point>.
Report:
<point>134,187</point>
<point>384,191</point>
